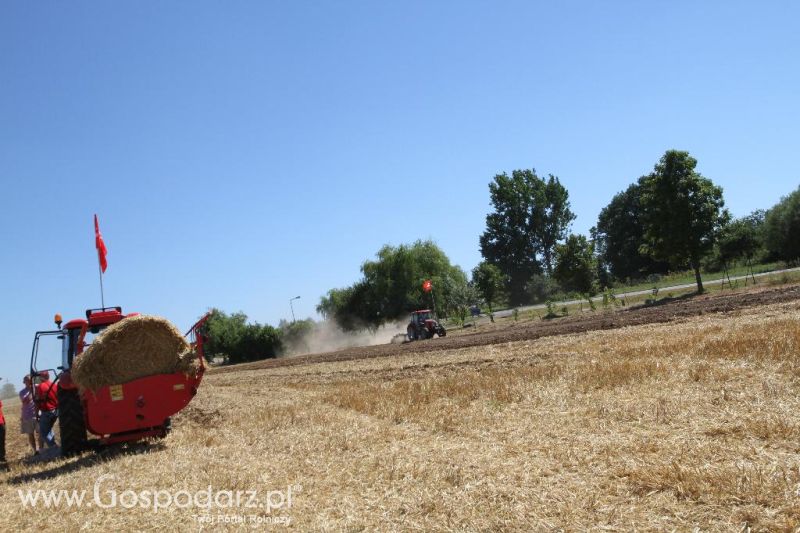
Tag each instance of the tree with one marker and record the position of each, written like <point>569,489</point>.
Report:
<point>231,337</point>
<point>488,280</point>
<point>461,297</point>
<point>348,307</point>
<point>576,266</point>
<point>530,217</point>
<point>392,286</point>
<point>556,220</point>
<point>224,333</point>
<point>619,236</point>
<point>782,228</point>
<point>740,239</point>
<point>682,212</point>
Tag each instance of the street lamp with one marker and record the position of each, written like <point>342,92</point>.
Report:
<point>292,306</point>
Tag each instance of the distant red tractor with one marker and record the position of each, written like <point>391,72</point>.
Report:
<point>424,326</point>
<point>130,411</point>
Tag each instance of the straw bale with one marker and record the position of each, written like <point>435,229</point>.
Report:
<point>133,348</point>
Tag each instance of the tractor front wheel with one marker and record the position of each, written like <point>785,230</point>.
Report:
<point>442,332</point>
<point>71,423</point>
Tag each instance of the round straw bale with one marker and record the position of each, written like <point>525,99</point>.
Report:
<point>133,348</point>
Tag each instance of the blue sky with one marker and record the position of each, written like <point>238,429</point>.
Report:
<point>242,153</point>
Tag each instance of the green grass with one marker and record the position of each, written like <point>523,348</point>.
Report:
<point>687,277</point>
<point>712,285</point>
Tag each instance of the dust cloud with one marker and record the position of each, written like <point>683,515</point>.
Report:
<point>327,336</point>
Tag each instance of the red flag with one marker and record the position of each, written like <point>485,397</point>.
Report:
<point>100,245</point>
<point>427,286</point>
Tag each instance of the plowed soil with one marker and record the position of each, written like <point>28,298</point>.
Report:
<point>664,311</point>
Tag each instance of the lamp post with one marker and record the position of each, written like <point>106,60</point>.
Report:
<point>292,306</point>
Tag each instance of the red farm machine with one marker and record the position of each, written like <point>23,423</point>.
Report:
<point>117,413</point>
<point>424,326</point>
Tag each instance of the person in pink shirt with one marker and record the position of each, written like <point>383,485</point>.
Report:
<point>27,419</point>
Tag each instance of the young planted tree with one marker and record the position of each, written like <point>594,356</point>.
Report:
<point>682,212</point>
<point>531,215</point>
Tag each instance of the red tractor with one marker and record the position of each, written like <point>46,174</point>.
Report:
<point>424,326</point>
<point>117,413</point>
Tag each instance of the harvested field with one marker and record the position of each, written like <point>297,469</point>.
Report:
<point>688,421</point>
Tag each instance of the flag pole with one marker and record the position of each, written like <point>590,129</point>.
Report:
<point>101,258</point>
<point>102,296</point>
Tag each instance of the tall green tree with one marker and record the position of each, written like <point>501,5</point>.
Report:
<point>556,218</point>
<point>576,265</point>
<point>488,279</point>
<point>619,235</point>
<point>782,228</point>
<point>392,286</point>
<point>531,215</point>
<point>682,212</point>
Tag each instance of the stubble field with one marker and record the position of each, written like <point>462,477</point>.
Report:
<point>686,422</point>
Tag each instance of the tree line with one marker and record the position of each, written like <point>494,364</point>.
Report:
<point>671,219</point>
<point>668,220</point>
<point>235,340</point>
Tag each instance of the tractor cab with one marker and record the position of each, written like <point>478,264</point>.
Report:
<point>74,336</point>
<point>420,317</point>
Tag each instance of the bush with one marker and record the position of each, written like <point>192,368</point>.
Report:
<point>782,228</point>
<point>542,288</point>
<point>232,338</point>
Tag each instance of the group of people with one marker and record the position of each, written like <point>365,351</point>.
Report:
<point>38,415</point>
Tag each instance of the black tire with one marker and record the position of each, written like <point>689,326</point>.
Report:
<point>71,423</point>
<point>412,333</point>
<point>442,332</point>
<point>166,428</point>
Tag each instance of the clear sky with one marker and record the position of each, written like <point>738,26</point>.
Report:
<point>242,153</point>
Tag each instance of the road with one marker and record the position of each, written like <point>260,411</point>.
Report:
<point>509,312</point>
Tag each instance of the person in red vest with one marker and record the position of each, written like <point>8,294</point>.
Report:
<point>47,403</point>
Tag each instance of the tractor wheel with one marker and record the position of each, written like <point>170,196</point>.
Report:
<point>412,333</point>
<point>71,423</point>
<point>442,332</point>
<point>166,428</point>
